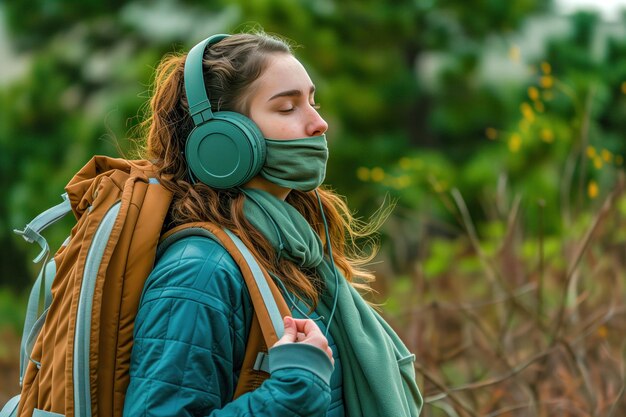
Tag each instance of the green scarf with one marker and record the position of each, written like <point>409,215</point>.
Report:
<point>378,372</point>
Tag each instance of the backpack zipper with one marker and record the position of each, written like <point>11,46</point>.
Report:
<point>82,391</point>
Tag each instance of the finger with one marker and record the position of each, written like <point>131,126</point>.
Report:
<point>318,340</point>
<point>291,329</point>
<point>311,327</point>
<point>291,332</point>
<point>300,324</point>
<point>307,326</point>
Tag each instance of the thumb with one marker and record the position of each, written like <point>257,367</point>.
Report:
<point>291,331</point>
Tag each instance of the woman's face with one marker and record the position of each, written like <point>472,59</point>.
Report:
<point>282,103</point>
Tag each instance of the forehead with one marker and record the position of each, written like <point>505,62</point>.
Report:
<point>283,72</point>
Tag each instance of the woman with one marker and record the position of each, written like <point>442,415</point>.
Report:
<point>337,357</point>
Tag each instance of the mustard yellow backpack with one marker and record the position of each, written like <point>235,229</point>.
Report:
<point>75,351</point>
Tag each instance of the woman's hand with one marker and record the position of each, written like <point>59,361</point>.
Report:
<point>305,331</point>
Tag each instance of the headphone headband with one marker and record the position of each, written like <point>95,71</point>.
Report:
<point>199,104</point>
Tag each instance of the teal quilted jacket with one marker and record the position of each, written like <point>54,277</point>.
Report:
<point>190,338</point>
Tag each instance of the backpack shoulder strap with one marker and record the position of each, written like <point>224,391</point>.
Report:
<point>32,234</point>
<point>269,305</point>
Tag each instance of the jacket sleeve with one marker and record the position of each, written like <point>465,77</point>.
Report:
<point>190,338</point>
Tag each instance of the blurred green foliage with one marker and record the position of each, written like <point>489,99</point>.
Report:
<point>413,92</point>
<point>556,140</point>
<point>90,65</point>
<point>422,97</point>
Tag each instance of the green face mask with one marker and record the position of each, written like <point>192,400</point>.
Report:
<point>299,164</point>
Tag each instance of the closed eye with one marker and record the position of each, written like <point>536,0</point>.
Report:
<point>291,109</point>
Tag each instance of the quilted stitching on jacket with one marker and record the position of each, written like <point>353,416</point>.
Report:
<point>190,337</point>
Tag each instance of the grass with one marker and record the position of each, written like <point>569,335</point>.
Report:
<point>525,331</point>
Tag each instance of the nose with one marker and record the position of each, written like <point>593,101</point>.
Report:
<point>317,125</point>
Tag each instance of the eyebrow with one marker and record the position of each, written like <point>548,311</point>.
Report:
<point>291,93</point>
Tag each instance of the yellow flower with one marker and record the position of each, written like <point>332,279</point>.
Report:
<point>591,151</point>
<point>592,189</point>
<point>547,135</point>
<point>514,53</point>
<point>624,87</point>
<point>619,160</point>
<point>402,182</point>
<point>546,68</point>
<point>603,332</point>
<point>377,174</point>
<point>539,106</point>
<point>515,142</point>
<point>546,81</point>
<point>597,162</point>
<point>606,155</point>
<point>363,174</point>
<point>405,163</point>
<point>533,93</point>
<point>491,133</point>
<point>527,112</point>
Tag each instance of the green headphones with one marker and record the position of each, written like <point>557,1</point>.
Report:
<point>225,149</point>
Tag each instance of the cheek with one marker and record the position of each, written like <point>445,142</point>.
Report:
<point>260,120</point>
<point>264,125</point>
<point>276,126</point>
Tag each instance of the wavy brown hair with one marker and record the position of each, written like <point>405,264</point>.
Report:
<point>230,68</point>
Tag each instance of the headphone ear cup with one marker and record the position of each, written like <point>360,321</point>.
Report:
<point>226,151</point>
